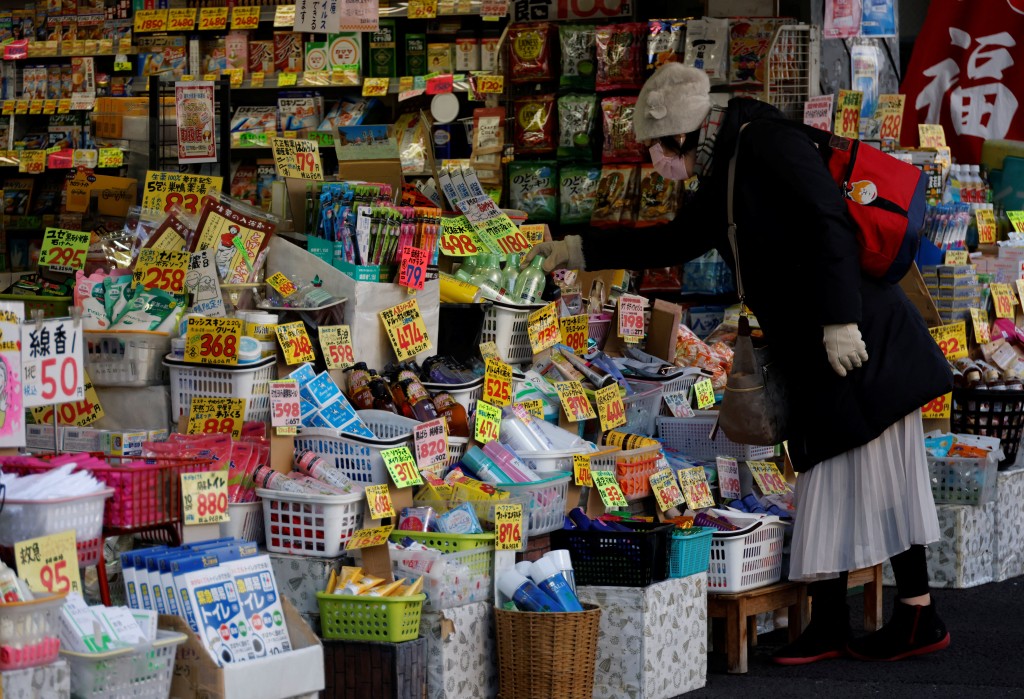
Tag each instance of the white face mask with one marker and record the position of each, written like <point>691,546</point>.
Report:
<point>669,166</point>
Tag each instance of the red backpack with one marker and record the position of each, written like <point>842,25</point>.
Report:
<point>885,197</point>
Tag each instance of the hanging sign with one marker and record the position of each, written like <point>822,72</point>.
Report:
<point>197,133</point>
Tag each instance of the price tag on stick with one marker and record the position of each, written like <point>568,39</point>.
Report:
<point>431,443</point>
<point>295,343</point>
<point>542,326</point>
<point>576,332</point>
<point>631,317</point>
<point>610,409</point>
<point>378,497</point>
<point>204,497</point>
<point>161,269</point>
<point>64,250</point>
<point>574,401</point>
<point>666,490</point>
<point>534,407</point>
<point>508,527</point>
<point>216,415</point>
<point>212,340</point>
<point>695,487</point>
<point>488,422</point>
<point>402,467</point>
<point>979,320</point>
<point>768,478</point>
<point>285,410</point>
<point>412,271</point>
<point>705,391</point>
<point>281,284</point>
<point>608,488</point>
<point>49,563</point>
<point>406,329</point>
<point>581,470</point>
<point>498,383</point>
<point>1002,299</point>
<point>336,344</point>
<point>728,478</point>
<point>52,366</point>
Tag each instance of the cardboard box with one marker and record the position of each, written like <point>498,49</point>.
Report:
<point>299,672</point>
<point>963,557</point>
<point>51,681</point>
<point>299,578</point>
<point>652,642</point>
<point>1008,547</point>
<point>461,652</point>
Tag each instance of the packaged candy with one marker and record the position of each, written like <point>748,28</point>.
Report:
<point>533,188</point>
<point>577,189</point>
<point>416,519</point>
<point>664,42</point>
<point>618,55</point>
<point>576,116</point>
<point>613,195</point>
<point>578,57</point>
<point>658,198</point>
<point>459,520</point>
<point>620,144</point>
<point>749,42</point>
<point>707,47</point>
<point>530,52</point>
<point>535,124</point>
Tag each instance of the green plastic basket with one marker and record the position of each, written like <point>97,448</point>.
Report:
<point>366,618</point>
<point>690,551</point>
<point>51,306</point>
<point>447,543</point>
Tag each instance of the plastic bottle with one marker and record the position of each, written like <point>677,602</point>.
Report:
<point>986,185</point>
<point>419,400</point>
<point>511,465</point>
<point>359,393</point>
<point>468,267</point>
<point>526,595</point>
<point>563,561</point>
<point>382,398</point>
<point>530,284</point>
<point>309,462</point>
<point>952,192</point>
<point>970,191</point>
<point>488,271</point>
<point>524,567</point>
<point>519,434</point>
<point>485,469</point>
<point>266,477</point>
<point>449,408</point>
<point>550,579</point>
<point>511,271</point>
<point>439,369</point>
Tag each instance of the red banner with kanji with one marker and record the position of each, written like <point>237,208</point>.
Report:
<point>967,73</point>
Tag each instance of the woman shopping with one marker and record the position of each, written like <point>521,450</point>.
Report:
<point>855,353</point>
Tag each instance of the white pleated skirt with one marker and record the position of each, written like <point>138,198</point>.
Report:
<point>864,506</point>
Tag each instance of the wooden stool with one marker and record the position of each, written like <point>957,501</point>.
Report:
<point>740,611</point>
<point>871,579</point>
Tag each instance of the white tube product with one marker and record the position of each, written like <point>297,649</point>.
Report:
<point>563,561</point>
<point>550,579</point>
<point>516,434</point>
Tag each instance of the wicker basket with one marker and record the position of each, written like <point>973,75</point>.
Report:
<point>549,654</point>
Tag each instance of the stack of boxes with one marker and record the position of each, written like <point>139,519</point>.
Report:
<point>955,290</point>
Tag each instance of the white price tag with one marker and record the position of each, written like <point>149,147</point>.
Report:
<point>51,360</point>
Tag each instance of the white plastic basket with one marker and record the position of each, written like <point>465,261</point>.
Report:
<point>748,558</point>
<point>961,481</point>
<point>456,449</point>
<point>690,436</point>
<point>546,511</point>
<point>465,394</point>
<point>560,460</point>
<point>246,521</point>
<point>506,326</point>
<point>28,519</point>
<point>449,579</point>
<point>30,632</point>
<point>673,385</point>
<point>642,409</point>
<point>249,381</point>
<point>360,458</point>
<point>126,358</point>
<point>143,672</point>
<point>310,525</point>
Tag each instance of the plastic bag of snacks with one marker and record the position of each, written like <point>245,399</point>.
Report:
<point>533,188</point>
<point>613,195</point>
<point>707,47</point>
<point>619,55</point>
<point>578,58</point>
<point>658,198</point>
<point>530,52</point>
<point>749,42</point>
<point>692,351</point>
<point>576,117</point>
<point>620,144</point>
<point>577,189</point>
<point>535,124</point>
<point>664,42</point>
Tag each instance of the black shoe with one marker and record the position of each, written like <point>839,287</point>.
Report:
<point>824,638</point>
<point>912,630</point>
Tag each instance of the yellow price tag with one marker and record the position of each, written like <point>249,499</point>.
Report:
<point>890,117</point>
<point>488,350</point>
<point>63,106</point>
<point>488,422</point>
<point>245,17</point>
<point>161,269</point>
<point>534,232</point>
<point>181,19</point>
<point>49,563</point>
<point>297,158</point>
<point>287,79</point>
<point>284,16</point>
<point>110,157</point>
<point>979,319</point>
<point>610,409</point>
<point>986,222</point>
<point>378,497</point>
<point>336,344</point>
<point>768,478</point>
<point>32,161</point>
<point>1002,299</point>
<point>666,490</point>
<point>490,84</point>
<point>508,527</point>
<point>1016,220</point>
<point>576,332</point>
<point>951,339</point>
<point>204,497</point>
<point>281,284</point>
<point>79,413</point>
<point>21,107</point>
<point>365,538</point>
<point>498,383</point>
<point>64,250</point>
<point>295,343</point>
<point>10,106</point>
<point>938,409</point>
<point>211,77</point>
<point>376,87</point>
<point>608,488</point>
<point>694,482</point>
<point>213,18</point>
<point>212,340</point>
<point>931,135</point>
<point>581,470</point>
<point>216,416</point>
<point>705,391</point>
<point>574,401</point>
<point>848,114</point>
<point>458,237</point>
<point>235,76</point>
<point>957,257</point>
<point>164,190</point>
<point>422,9</point>
<point>406,329</point>
<point>542,326</point>
<point>150,21</point>
<point>49,106</point>
<point>534,407</point>
<point>256,79</point>
<point>402,466</point>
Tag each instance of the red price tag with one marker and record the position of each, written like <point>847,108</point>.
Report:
<point>441,84</point>
<point>402,467</point>
<point>431,443</point>
<point>498,383</point>
<point>413,267</point>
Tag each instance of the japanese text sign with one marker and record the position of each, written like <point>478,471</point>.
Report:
<point>49,563</point>
<point>297,158</point>
<point>204,497</point>
<point>212,340</point>
<point>406,329</point>
<point>52,362</point>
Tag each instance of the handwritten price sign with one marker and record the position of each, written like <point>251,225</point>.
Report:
<point>666,490</point>
<point>939,408</point>
<point>574,401</point>
<point>285,410</point>
<point>576,332</point>
<point>931,135</point>
<point>610,409</point>
<point>728,478</point>
<point>498,383</point>
<point>213,18</point>
<point>458,237</point>
<point>422,9</point>
<point>245,17</point>
<point>986,221</point>
<point>406,330</point>
<point>402,466</point>
<point>297,158</point>
<point>336,344</point>
<point>957,257</point>
<point>608,488</point>
<point>581,470</point>
<point>49,563</point>
<point>150,21</point>
<point>490,84</point>
<point>951,339</point>
<point>508,527</point>
<point>890,116</point>
<point>295,343</point>
<point>216,416</point>
<point>378,497</point>
<point>161,269</point>
<point>204,497</point>
<point>430,440</point>
<point>212,340</point>
<point>534,408</point>
<point>365,538</point>
<point>678,404</point>
<point>412,271</point>
<point>631,317</point>
<point>180,20</point>
<point>542,326</point>
<point>705,392</point>
<point>768,478</point>
<point>64,250</point>
<point>376,87</point>
<point>281,284</point>
<point>979,320</point>
<point>848,114</point>
<point>695,488</point>
<point>488,422</point>
<point>1002,300</point>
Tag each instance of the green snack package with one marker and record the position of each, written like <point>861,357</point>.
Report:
<point>576,117</point>
<point>579,56</point>
<point>577,189</point>
<point>533,188</point>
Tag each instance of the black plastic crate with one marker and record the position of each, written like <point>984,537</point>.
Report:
<point>623,559</point>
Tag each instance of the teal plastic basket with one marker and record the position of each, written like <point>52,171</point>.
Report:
<point>690,552</point>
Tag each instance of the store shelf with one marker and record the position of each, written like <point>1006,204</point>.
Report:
<point>41,50</point>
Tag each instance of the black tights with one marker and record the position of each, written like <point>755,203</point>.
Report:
<point>909,568</point>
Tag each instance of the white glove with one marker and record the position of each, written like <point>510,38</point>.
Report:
<point>559,254</point>
<point>845,347</point>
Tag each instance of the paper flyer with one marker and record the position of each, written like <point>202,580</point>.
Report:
<point>12,412</point>
<point>193,103</point>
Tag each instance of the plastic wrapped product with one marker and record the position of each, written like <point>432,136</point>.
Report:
<point>664,42</point>
<point>613,204</point>
<point>620,144</point>
<point>576,117</point>
<point>619,55</point>
<point>578,56</point>
<point>707,47</point>
<point>533,188</point>
<point>577,190</point>
<point>530,52</point>
<point>658,198</point>
<point>535,124</point>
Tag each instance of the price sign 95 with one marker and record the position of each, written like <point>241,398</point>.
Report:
<point>49,563</point>
<point>508,527</point>
<point>402,467</point>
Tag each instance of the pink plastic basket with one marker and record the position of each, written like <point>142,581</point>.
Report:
<point>30,632</point>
